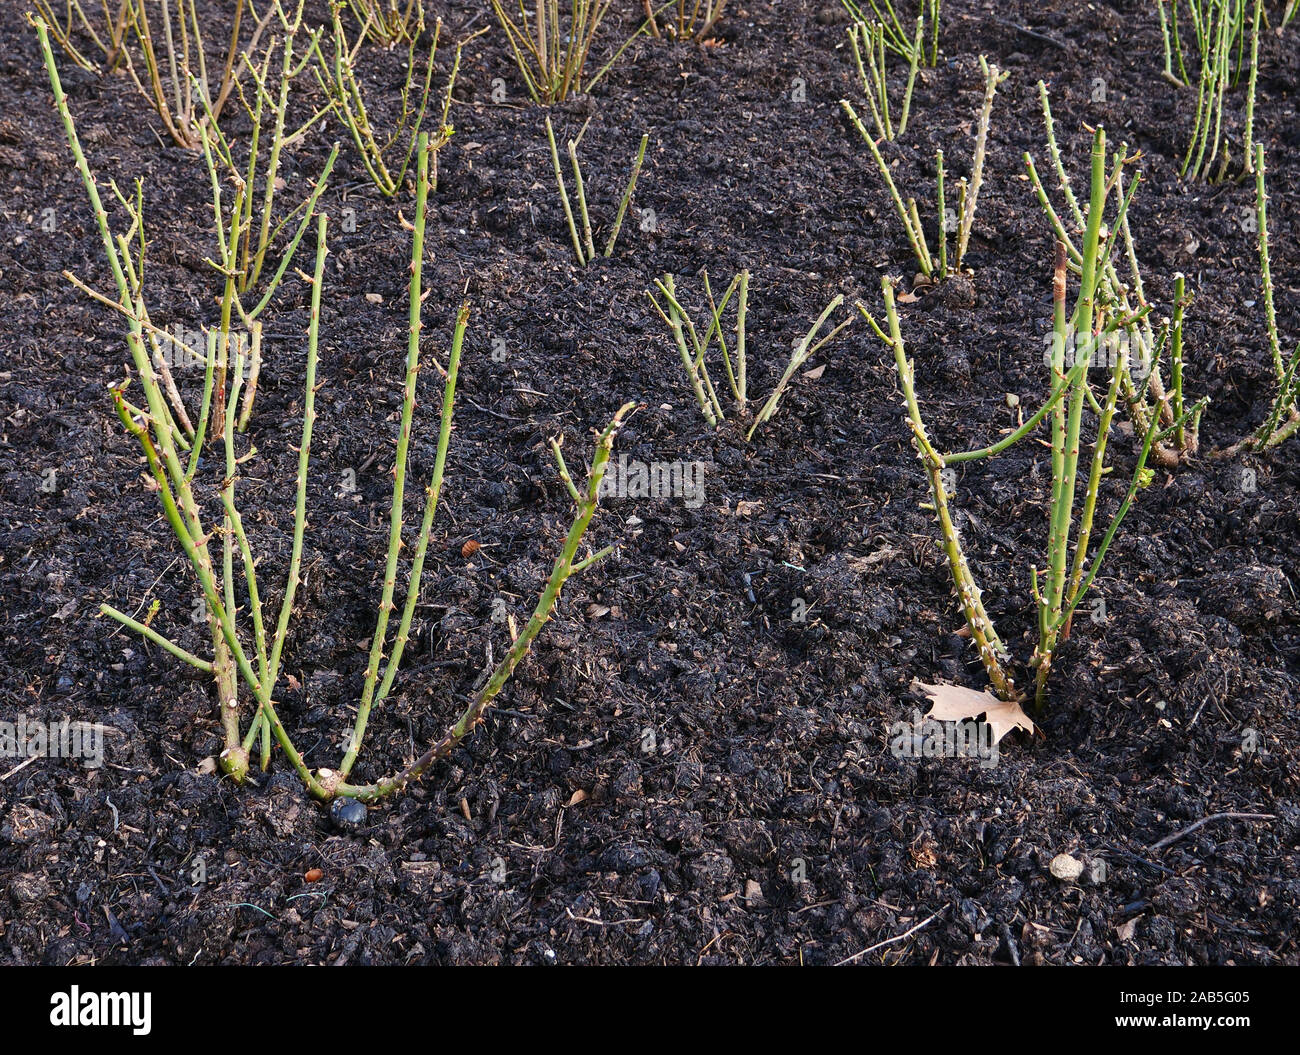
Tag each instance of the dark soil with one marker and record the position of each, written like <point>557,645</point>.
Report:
<point>681,771</point>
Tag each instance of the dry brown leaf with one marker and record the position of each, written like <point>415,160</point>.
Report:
<point>577,797</point>
<point>954,703</point>
<point>746,509</point>
<point>815,373</point>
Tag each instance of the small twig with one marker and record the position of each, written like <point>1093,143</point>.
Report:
<point>20,766</point>
<point>891,941</point>
<point>1170,839</point>
<point>1033,33</point>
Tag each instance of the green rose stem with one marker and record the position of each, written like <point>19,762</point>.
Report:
<point>1066,421</point>
<point>803,351</point>
<point>915,234</point>
<point>564,194</point>
<point>1283,419</point>
<point>386,606</point>
<point>124,275</point>
<point>992,652</point>
<point>156,428</point>
<point>908,213</point>
<point>627,195</point>
<point>992,78</point>
<point>584,247</point>
<point>681,327</point>
<point>551,57</point>
<point>565,567</point>
<point>387,162</point>
<point>1129,298</point>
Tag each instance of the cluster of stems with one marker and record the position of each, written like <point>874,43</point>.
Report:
<point>584,247</point>
<point>1220,33</point>
<point>1072,562</point>
<point>693,350</point>
<point>247,647</point>
<point>1283,420</point>
<point>250,227</point>
<point>936,266</point>
<point>105,28</point>
<point>1143,390</point>
<point>552,42</point>
<point>869,38</point>
<point>687,19</point>
<point>150,346</point>
<point>389,22</point>
<point>387,159</point>
<point>910,47</point>
<point>173,70</point>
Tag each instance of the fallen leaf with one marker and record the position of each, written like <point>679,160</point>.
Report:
<point>954,703</point>
<point>576,797</point>
<point>815,373</point>
<point>747,509</point>
<point>1125,930</point>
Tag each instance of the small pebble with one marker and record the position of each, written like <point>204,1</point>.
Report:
<point>347,814</point>
<point>1065,867</point>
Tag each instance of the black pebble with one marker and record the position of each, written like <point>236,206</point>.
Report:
<point>347,814</point>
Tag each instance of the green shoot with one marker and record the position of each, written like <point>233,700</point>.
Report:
<point>386,159</point>
<point>107,31</point>
<point>1283,420</point>
<point>898,40</point>
<point>688,19</point>
<point>869,38</point>
<point>247,647</point>
<point>584,247</point>
<point>175,77</point>
<point>551,51</point>
<point>1146,398</point>
<point>935,266</point>
<point>1216,52</point>
<point>693,351</point>
<point>389,22</point>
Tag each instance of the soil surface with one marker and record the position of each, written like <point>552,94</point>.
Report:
<point>683,770</point>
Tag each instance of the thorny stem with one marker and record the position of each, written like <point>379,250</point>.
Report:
<point>399,461</point>
<point>992,653</point>
<point>565,566</point>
